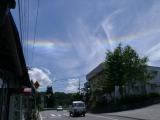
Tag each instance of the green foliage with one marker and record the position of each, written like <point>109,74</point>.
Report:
<point>123,67</point>
<point>65,99</point>
<point>126,103</point>
<point>50,98</point>
<point>49,90</point>
<point>76,97</point>
<point>60,98</point>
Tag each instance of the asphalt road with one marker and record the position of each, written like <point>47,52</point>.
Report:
<point>64,115</point>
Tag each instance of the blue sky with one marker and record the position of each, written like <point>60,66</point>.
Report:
<point>73,36</point>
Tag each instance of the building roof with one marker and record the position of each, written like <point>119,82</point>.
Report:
<point>95,71</point>
<point>12,57</point>
<point>25,75</point>
<point>156,79</point>
<point>99,69</point>
<point>154,68</point>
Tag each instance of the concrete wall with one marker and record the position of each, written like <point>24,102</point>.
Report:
<point>19,107</point>
<point>153,86</point>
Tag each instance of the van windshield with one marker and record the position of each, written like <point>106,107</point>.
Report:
<point>78,105</point>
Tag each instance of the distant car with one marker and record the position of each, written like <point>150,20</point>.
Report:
<point>59,108</point>
<point>77,108</point>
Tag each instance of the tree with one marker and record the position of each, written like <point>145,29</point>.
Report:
<point>63,99</point>
<point>114,70</point>
<point>50,98</point>
<point>76,97</point>
<point>124,67</point>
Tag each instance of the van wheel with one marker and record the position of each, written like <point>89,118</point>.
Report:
<point>73,115</point>
<point>70,114</point>
<point>83,114</point>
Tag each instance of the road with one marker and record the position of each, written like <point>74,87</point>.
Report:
<point>64,115</point>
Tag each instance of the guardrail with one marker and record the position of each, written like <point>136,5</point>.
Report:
<point>54,108</point>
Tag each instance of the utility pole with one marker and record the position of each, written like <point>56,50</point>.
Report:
<point>79,86</point>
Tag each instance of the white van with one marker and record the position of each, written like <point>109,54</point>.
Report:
<point>77,108</point>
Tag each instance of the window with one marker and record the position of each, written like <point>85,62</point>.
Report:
<point>154,72</point>
<point>78,105</point>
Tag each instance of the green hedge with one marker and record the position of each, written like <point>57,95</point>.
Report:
<point>129,102</point>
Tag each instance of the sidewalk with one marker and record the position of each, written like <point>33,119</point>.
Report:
<point>147,113</point>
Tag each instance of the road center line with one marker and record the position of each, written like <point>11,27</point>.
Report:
<point>102,116</point>
<point>65,114</point>
<point>40,116</point>
<point>53,115</point>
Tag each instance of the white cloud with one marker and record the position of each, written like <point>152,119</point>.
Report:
<point>40,75</point>
<point>46,71</point>
<point>72,86</point>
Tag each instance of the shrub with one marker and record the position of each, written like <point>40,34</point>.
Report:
<point>129,102</point>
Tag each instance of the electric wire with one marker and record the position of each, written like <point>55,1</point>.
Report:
<point>35,31</point>
<point>23,11</point>
<point>28,18</point>
<point>24,25</point>
<point>20,24</point>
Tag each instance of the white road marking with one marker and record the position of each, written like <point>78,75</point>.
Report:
<point>44,117</point>
<point>53,115</point>
<point>101,116</point>
<point>59,115</point>
<point>40,116</point>
<point>65,114</point>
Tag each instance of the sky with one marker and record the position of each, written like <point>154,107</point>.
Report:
<point>72,36</point>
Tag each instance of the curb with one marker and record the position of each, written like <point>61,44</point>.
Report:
<point>39,116</point>
<point>128,117</point>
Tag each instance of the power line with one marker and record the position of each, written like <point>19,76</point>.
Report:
<point>24,15</point>
<point>70,77</point>
<point>22,19</point>
<point>20,22</point>
<point>35,31</point>
<point>79,86</point>
<point>24,26</point>
<point>21,9</point>
<point>28,18</point>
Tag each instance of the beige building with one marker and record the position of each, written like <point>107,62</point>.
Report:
<point>153,86</point>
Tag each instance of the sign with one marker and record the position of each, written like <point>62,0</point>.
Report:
<point>36,84</point>
<point>27,90</point>
<point>24,91</point>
